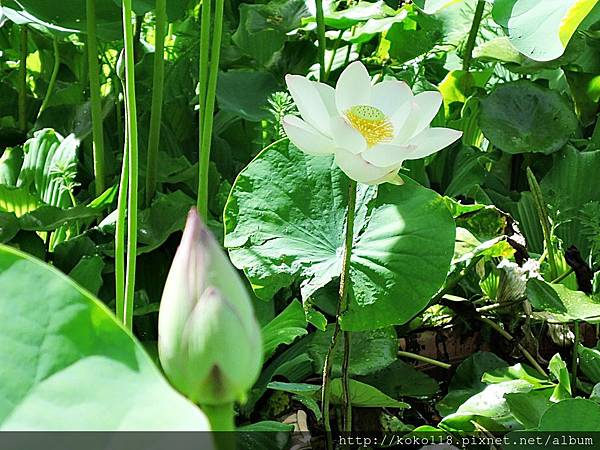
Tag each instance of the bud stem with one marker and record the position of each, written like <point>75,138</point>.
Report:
<point>342,307</point>
<point>221,420</point>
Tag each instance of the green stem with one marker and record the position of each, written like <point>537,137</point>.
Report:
<point>346,400</point>
<point>542,212</point>
<point>132,147</point>
<point>506,335</point>
<point>120,235</point>
<point>209,109</point>
<point>336,46</point>
<point>575,358</point>
<point>53,77</point>
<point>157,99</point>
<point>341,308</point>
<point>562,276</point>
<point>23,79</point>
<point>118,88</point>
<point>205,27</point>
<point>321,38</point>
<point>425,359</point>
<point>95,96</point>
<point>468,56</point>
<point>221,418</point>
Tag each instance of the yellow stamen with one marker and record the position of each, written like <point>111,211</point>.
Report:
<point>372,123</point>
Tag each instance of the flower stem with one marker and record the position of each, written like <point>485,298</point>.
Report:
<point>132,152</point>
<point>53,77</point>
<point>542,212</point>
<point>341,308</point>
<point>468,55</point>
<point>95,97</point>
<point>346,401</point>
<point>208,112</point>
<point>321,38</point>
<point>157,99</point>
<point>425,359</point>
<point>23,79</point>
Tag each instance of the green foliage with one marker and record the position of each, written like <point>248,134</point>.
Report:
<point>263,27</point>
<point>522,117</point>
<point>541,40</point>
<point>286,229</point>
<point>245,93</point>
<point>284,328</point>
<point>63,337</point>
<point>362,395</point>
<point>467,380</point>
<point>453,261</point>
<point>560,304</point>
<point>370,351</point>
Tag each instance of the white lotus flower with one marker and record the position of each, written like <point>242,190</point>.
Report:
<point>371,130</point>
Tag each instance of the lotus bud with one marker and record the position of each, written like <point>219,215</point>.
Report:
<point>209,341</point>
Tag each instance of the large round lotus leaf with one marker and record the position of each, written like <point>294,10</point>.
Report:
<point>66,364</point>
<point>284,223</point>
<point>522,117</point>
<point>541,29</point>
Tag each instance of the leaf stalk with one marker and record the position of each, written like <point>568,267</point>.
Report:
<point>470,45</point>
<point>132,153</point>
<point>95,96</point>
<point>341,308</point>
<point>207,94</point>
<point>158,82</point>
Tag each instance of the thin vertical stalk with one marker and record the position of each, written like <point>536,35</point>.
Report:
<point>120,233</point>
<point>53,77</point>
<point>118,88</point>
<point>346,401</point>
<point>575,355</point>
<point>542,212</point>
<point>321,38</point>
<point>132,152</point>
<point>468,55</point>
<point>23,79</point>
<point>95,96</point>
<point>336,46</point>
<point>205,26</point>
<point>157,99</point>
<point>209,108</point>
<point>341,308</point>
